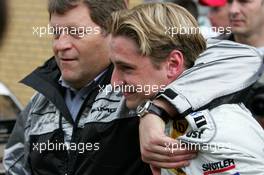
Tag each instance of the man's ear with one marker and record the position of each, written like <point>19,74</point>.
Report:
<point>175,64</point>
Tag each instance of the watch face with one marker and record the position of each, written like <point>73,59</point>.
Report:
<point>142,109</point>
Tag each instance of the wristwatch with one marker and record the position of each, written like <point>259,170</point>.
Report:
<point>149,107</point>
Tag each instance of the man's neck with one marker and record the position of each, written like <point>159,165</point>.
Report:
<point>255,40</point>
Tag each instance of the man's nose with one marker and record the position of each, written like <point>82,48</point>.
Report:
<point>62,43</point>
<point>234,8</point>
<point>117,78</point>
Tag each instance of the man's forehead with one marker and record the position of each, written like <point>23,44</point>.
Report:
<point>124,44</point>
<point>76,16</point>
<point>124,52</point>
<point>122,61</point>
<point>67,23</point>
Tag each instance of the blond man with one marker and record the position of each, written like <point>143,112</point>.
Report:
<point>144,55</point>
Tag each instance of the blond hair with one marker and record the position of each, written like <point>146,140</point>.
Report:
<point>147,24</point>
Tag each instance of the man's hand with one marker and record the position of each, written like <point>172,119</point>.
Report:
<point>159,150</point>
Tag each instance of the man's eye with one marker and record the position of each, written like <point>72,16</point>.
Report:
<point>244,1</point>
<point>77,34</point>
<point>56,34</point>
<point>127,68</point>
<point>240,1</point>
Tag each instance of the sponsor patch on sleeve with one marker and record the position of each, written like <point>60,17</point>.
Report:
<point>224,166</point>
<point>201,127</point>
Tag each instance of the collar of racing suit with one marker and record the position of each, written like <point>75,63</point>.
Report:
<point>44,79</point>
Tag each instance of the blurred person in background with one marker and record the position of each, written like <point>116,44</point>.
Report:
<point>218,15</point>
<point>189,5</point>
<point>3,18</point>
<point>247,22</point>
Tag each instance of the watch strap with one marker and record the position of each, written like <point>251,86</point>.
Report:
<point>154,109</point>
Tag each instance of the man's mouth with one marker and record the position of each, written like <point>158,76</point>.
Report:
<point>236,22</point>
<point>128,94</point>
<point>68,59</point>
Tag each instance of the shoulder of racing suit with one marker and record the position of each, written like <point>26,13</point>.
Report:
<point>216,77</point>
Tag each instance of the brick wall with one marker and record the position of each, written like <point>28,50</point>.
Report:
<point>22,51</point>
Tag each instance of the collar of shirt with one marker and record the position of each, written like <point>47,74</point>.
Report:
<point>75,98</point>
<point>63,83</point>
